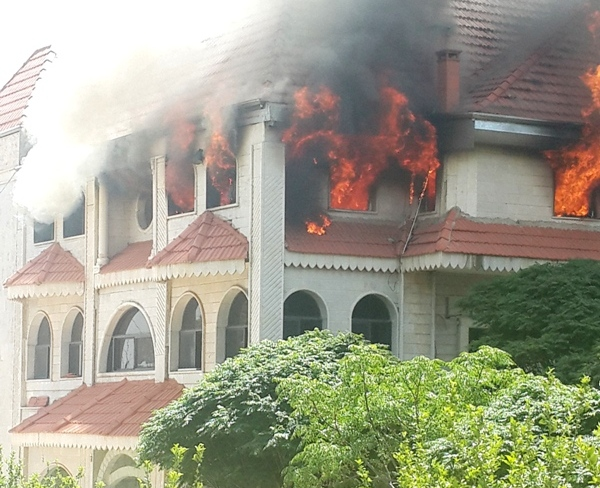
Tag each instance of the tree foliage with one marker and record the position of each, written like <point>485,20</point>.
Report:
<point>237,415</point>
<point>545,316</point>
<point>477,421</point>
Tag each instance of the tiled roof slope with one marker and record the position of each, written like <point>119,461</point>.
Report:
<point>104,409</point>
<point>208,238</point>
<point>53,265</point>
<point>459,234</point>
<point>525,59</point>
<point>15,95</point>
<point>134,256</point>
<point>455,233</point>
<point>359,239</point>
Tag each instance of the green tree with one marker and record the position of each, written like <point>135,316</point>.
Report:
<point>545,316</point>
<point>236,413</point>
<point>477,421</point>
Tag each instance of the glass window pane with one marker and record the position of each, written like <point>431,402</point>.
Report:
<point>190,349</point>
<point>41,364</point>
<point>75,349</point>
<point>144,353</point>
<point>236,338</point>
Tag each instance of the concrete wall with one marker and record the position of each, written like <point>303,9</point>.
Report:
<point>11,259</point>
<point>498,183</point>
<point>339,291</point>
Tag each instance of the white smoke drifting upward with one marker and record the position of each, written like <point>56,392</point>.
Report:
<point>106,74</point>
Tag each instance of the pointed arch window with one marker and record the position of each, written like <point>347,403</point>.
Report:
<point>41,361</point>
<point>131,346</point>
<point>76,347</point>
<point>300,313</point>
<point>236,333</point>
<point>190,336</point>
<point>371,318</point>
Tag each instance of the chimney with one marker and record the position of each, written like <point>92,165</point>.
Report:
<point>448,79</point>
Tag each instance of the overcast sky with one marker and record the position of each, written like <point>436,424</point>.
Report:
<point>95,35</point>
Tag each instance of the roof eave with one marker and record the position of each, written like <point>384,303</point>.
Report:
<point>462,131</point>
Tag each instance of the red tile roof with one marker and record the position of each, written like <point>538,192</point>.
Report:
<point>15,95</point>
<point>208,238</point>
<point>134,256</point>
<point>525,59</point>
<point>347,239</point>
<point>53,265</point>
<point>104,409</point>
<point>456,233</point>
<point>459,234</point>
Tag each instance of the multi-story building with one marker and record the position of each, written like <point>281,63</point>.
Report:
<point>183,252</point>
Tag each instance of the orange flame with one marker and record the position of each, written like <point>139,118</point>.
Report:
<point>318,228</point>
<point>577,167</point>
<point>357,160</point>
<point>221,166</point>
<point>179,171</point>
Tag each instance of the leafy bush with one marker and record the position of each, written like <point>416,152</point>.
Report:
<point>477,421</point>
<point>237,414</point>
<point>544,316</point>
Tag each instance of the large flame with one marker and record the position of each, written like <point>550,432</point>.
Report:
<point>577,167</point>
<point>357,160</point>
<point>221,165</point>
<point>179,172</point>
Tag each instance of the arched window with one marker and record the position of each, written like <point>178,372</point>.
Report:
<point>41,361</point>
<point>131,344</point>
<point>236,333</point>
<point>76,347</point>
<point>190,336</point>
<point>371,318</point>
<point>300,313</point>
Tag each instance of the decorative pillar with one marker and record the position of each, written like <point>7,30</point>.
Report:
<point>267,240</point>
<point>102,224</point>
<point>96,255</point>
<point>161,331</point>
<point>159,204</point>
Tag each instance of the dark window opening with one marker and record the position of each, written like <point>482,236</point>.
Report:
<point>43,232</point>
<point>76,347</point>
<point>300,313</point>
<point>190,337</point>
<point>41,362</point>
<point>371,318</point>
<point>131,346</point>
<point>74,224</point>
<point>221,186</point>
<point>236,333</point>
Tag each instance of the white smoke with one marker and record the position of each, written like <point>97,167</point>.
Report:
<point>107,77</point>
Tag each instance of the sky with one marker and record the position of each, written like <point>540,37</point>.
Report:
<point>95,44</point>
<point>97,34</point>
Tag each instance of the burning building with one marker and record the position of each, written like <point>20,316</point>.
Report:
<point>354,175</point>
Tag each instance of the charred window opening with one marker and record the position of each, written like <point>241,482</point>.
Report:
<point>43,232</point>
<point>179,171</point>
<point>74,224</point>
<point>181,187</point>
<point>595,203</point>
<point>221,171</point>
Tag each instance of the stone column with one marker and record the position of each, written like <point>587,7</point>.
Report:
<point>267,239</point>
